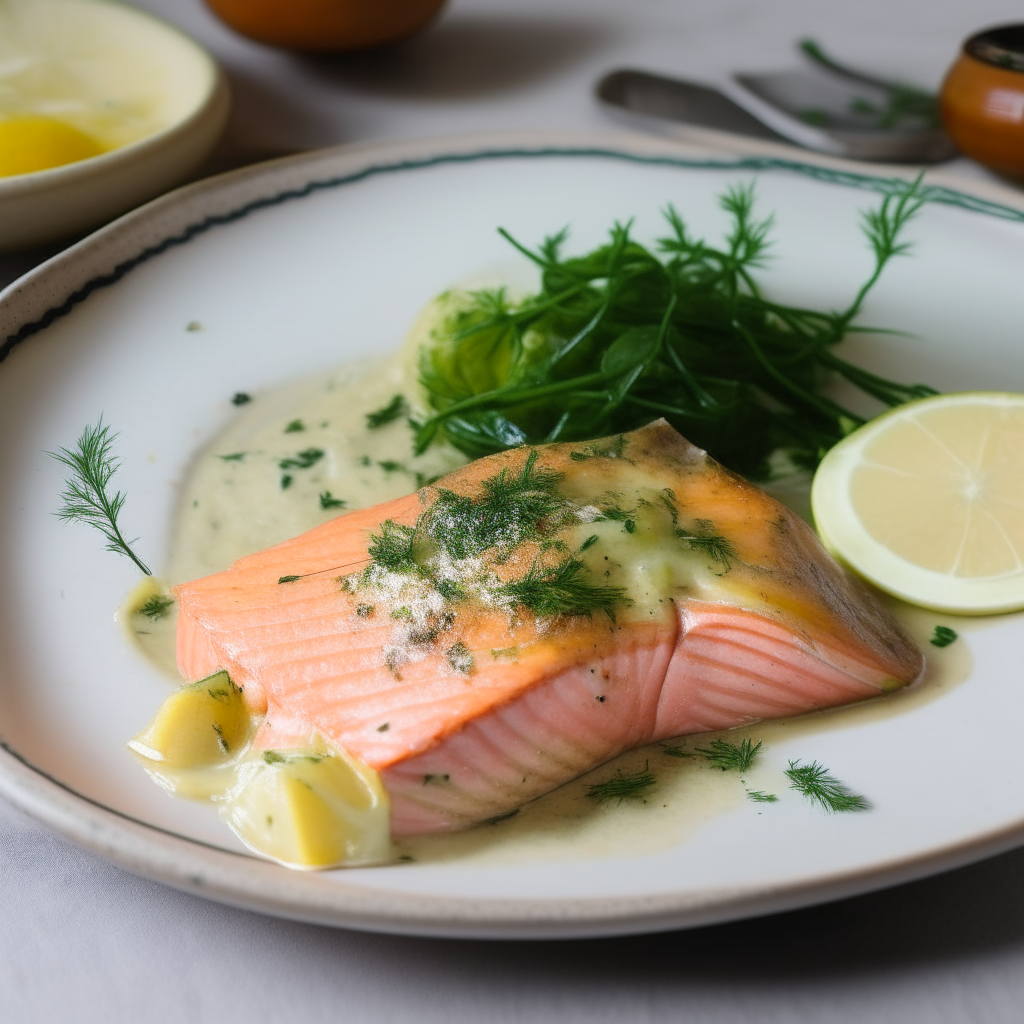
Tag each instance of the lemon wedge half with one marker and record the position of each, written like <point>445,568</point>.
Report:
<point>927,502</point>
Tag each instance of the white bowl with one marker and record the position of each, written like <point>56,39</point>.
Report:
<point>183,124</point>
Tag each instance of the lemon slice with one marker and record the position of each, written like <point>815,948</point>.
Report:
<point>927,502</point>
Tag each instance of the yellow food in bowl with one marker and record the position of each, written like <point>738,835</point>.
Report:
<point>39,143</point>
<point>82,77</point>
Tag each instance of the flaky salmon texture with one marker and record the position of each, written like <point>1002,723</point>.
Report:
<point>535,613</point>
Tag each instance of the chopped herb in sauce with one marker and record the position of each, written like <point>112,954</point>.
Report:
<point>943,636</point>
<point>730,756</point>
<point>155,607</point>
<point>295,427</point>
<point>240,398</point>
<point>760,797</point>
<point>233,457</point>
<point>396,408</point>
<point>329,501</point>
<point>672,750</point>
<point>624,786</point>
<point>303,460</point>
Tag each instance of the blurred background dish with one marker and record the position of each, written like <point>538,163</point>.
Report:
<point>101,108</point>
<point>327,26</point>
<point>983,99</point>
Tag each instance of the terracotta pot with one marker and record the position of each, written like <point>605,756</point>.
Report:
<point>326,26</point>
<point>983,99</point>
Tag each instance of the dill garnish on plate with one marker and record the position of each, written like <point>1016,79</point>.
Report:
<point>623,334</point>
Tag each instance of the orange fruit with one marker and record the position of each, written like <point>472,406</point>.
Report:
<point>328,26</point>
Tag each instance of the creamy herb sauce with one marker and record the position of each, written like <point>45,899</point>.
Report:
<point>232,506</point>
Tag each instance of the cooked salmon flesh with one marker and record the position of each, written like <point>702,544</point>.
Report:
<point>535,613</point>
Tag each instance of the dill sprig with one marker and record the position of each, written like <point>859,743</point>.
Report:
<point>562,589</point>
<point>760,797</point>
<point>625,333</point>
<point>943,636</point>
<point>155,607</point>
<point>624,785</point>
<point>731,756</point>
<point>86,497</point>
<point>816,783</point>
<point>512,507</point>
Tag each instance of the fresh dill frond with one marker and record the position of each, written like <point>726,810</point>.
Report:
<point>562,589</point>
<point>155,607</point>
<point>815,782</point>
<point>233,457</point>
<point>727,756</point>
<point>511,508</point>
<point>288,579</point>
<point>86,497</point>
<point>295,427</point>
<point>329,501</point>
<point>943,636</point>
<point>685,331</point>
<point>240,398</point>
<point>392,548</point>
<point>707,539</point>
<point>624,785</point>
<point>388,414</point>
<point>760,797</point>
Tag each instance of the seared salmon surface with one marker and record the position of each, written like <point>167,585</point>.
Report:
<point>535,613</point>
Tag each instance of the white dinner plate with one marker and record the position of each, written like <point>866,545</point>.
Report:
<point>295,266</point>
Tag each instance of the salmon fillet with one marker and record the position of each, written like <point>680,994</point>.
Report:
<point>711,605</point>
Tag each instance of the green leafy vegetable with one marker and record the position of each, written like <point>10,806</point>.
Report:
<point>731,756</point>
<point>943,636</point>
<point>819,786</point>
<point>760,797</point>
<point>624,785</point>
<point>86,497</point>
<point>623,334</point>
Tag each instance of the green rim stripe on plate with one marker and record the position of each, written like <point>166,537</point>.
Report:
<point>851,179</point>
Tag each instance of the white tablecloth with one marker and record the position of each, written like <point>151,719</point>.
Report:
<point>82,941</point>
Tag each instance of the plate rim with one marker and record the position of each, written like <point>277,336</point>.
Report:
<point>56,287</point>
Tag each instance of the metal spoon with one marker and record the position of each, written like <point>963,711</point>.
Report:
<point>829,108</point>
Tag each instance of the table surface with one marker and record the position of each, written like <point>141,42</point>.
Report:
<point>83,941</point>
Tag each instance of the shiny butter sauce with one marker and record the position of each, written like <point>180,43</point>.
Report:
<point>294,458</point>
